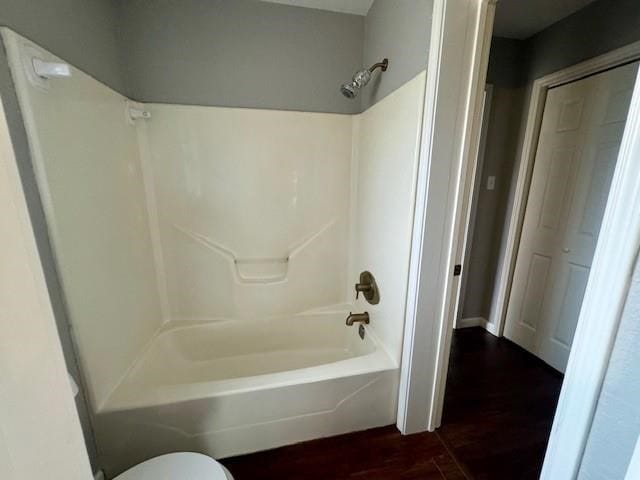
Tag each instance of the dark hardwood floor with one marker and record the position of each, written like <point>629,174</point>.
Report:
<point>377,454</point>
<point>499,406</point>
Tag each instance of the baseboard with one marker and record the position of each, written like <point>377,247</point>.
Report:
<point>471,322</point>
<point>478,322</point>
<point>492,328</point>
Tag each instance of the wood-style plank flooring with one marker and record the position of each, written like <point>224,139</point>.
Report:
<point>499,407</point>
<point>377,454</point>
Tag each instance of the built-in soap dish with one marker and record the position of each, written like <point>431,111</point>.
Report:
<point>261,270</point>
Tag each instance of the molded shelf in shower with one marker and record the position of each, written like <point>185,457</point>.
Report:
<point>265,270</point>
<point>262,270</point>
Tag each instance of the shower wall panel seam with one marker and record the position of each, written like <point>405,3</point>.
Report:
<point>152,216</point>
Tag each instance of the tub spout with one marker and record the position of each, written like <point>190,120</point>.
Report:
<point>358,317</point>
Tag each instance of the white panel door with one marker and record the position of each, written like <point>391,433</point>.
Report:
<point>580,137</point>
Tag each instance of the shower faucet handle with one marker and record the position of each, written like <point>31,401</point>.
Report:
<point>362,287</point>
<point>368,287</point>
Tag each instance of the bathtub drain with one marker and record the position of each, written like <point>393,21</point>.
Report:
<point>361,331</point>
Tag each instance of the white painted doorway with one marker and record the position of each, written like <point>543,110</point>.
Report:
<point>454,83</point>
<point>581,131</point>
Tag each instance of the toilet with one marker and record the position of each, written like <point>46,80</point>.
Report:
<point>178,466</point>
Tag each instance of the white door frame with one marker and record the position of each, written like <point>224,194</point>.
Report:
<point>456,72</point>
<point>457,66</point>
<point>616,254</point>
<point>504,278</point>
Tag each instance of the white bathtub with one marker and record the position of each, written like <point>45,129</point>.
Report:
<point>234,387</point>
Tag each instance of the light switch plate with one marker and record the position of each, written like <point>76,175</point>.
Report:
<point>491,182</point>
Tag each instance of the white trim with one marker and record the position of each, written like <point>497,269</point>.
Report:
<point>604,298</point>
<point>477,322</point>
<point>491,328</point>
<point>504,280</point>
<point>472,112</point>
<point>458,56</point>
<point>471,322</point>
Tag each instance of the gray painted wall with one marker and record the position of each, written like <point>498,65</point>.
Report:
<point>616,425</point>
<point>23,157</point>
<point>491,214</point>
<point>240,53</point>
<point>506,62</point>
<point>247,53</point>
<point>505,74</point>
<point>399,31</point>
<point>596,29</point>
<point>82,32</point>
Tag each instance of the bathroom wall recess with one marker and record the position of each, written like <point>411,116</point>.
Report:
<point>208,255</point>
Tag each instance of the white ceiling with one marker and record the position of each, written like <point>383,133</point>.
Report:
<point>524,18</point>
<point>357,7</point>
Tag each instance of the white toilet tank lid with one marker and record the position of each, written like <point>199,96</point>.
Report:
<point>173,466</point>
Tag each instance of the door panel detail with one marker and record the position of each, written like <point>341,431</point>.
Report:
<point>580,135</point>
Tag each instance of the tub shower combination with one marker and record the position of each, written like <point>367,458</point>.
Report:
<point>216,261</point>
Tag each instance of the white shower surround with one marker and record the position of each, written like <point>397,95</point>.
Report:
<point>93,196</point>
<point>263,213</point>
<point>340,193</point>
<point>252,209</point>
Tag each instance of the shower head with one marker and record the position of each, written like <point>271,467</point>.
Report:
<point>361,78</point>
<point>349,90</point>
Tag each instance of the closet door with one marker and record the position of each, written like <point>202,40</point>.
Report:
<point>579,140</point>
